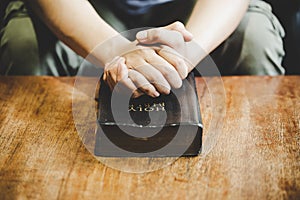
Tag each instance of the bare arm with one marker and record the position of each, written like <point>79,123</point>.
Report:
<point>212,21</point>
<point>76,23</point>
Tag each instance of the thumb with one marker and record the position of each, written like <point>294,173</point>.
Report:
<point>179,26</point>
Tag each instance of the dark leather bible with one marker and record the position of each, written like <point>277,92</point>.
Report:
<point>167,126</point>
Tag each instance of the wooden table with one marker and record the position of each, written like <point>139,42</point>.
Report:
<point>255,152</point>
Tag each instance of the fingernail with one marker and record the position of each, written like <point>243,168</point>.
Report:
<point>156,94</point>
<point>142,35</point>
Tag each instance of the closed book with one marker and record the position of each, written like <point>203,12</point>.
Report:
<point>166,126</point>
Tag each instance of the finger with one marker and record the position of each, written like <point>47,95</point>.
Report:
<point>115,71</point>
<point>153,76</point>
<point>123,78</point>
<point>142,83</point>
<point>108,79</point>
<point>135,92</point>
<point>151,36</point>
<point>166,69</point>
<point>124,86</point>
<point>176,61</point>
<point>170,38</point>
<point>110,83</point>
<point>110,67</point>
<point>122,70</point>
<point>178,26</point>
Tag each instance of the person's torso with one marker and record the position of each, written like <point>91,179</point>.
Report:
<point>137,6</point>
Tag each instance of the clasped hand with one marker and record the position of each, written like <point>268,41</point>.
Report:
<point>155,65</point>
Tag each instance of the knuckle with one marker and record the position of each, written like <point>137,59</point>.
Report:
<point>144,52</point>
<point>154,34</point>
<point>139,51</point>
<point>149,51</point>
<point>157,78</point>
<point>147,89</point>
<point>136,94</point>
<point>132,75</point>
<point>178,25</point>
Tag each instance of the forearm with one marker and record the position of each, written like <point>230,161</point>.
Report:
<point>78,25</point>
<point>212,21</point>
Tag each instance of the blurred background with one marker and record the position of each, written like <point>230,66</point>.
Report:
<point>288,12</point>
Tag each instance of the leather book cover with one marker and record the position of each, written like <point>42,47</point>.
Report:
<point>167,126</point>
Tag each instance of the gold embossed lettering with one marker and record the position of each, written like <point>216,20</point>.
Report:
<point>159,106</point>
<point>148,108</point>
<point>139,108</point>
<point>131,108</point>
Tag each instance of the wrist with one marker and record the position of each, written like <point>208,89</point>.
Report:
<point>193,53</point>
<point>109,49</point>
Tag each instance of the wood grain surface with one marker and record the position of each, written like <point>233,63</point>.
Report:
<point>251,147</point>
